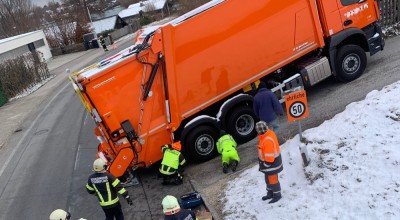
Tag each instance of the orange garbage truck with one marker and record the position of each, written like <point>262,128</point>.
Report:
<point>189,78</point>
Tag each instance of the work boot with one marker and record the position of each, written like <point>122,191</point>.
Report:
<point>268,196</point>
<point>234,166</point>
<point>178,180</point>
<point>224,167</point>
<point>276,197</point>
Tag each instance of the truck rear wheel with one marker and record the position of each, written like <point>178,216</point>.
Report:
<point>200,143</point>
<point>241,124</point>
<point>351,61</point>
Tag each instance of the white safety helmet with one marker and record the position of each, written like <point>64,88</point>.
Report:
<point>261,127</point>
<point>170,204</point>
<point>99,165</point>
<point>59,214</point>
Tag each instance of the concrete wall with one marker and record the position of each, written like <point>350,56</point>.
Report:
<point>23,40</point>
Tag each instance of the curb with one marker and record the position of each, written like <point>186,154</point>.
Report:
<point>213,212</point>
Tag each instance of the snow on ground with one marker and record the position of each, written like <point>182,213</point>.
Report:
<point>354,171</point>
<point>393,30</point>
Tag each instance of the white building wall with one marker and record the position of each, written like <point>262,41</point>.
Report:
<point>24,39</point>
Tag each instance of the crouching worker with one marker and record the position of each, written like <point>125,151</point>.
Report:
<point>270,160</point>
<point>171,165</point>
<point>173,211</point>
<point>226,146</point>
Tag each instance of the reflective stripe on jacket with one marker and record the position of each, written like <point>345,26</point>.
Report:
<point>171,161</point>
<point>106,187</point>
<point>226,143</point>
<point>269,153</point>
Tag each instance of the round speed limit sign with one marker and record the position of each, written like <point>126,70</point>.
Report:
<point>297,109</point>
<point>296,105</point>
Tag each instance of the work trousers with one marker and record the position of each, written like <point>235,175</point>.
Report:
<point>229,156</point>
<point>273,184</point>
<point>114,212</point>
<point>274,125</point>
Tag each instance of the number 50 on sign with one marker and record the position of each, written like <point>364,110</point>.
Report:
<point>296,105</point>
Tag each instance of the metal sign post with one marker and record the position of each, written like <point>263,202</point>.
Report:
<point>297,109</point>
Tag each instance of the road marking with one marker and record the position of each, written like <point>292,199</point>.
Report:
<point>29,129</point>
<point>77,157</point>
<point>86,116</point>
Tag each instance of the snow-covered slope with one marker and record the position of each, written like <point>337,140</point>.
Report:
<point>354,171</point>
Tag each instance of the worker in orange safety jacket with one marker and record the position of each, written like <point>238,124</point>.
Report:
<point>270,160</point>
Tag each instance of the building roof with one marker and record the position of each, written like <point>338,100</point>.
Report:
<point>18,36</point>
<point>134,9</point>
<point>109,13</point>
<point>104,24</point>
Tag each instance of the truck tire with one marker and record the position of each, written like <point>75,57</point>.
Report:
<point>351,61</point>
<point>200,143</point>
<point>241,124</point>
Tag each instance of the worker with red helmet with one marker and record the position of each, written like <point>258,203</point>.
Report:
<point>171,165</point>
<point>270,160</point>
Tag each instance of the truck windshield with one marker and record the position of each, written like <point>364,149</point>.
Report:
<point>349,2</point>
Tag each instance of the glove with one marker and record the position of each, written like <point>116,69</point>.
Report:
<point>129,200</point>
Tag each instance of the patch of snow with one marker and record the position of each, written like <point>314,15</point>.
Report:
<point>104,24</point>
<point>392,30</point>
<point>134,9</point>
<point>199,118</point>
<point>227,102</point>
<point>353,173</point>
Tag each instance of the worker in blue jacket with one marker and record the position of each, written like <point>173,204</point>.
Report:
<point>266,106</point>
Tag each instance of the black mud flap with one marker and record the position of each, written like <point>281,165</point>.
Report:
<point>376,42</point>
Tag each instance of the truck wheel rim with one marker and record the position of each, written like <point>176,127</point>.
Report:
<point>244,124</point>
<point>204,144</point>
<point>351,63</point>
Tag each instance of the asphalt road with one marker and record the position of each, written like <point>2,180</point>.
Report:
<point>51,157</point>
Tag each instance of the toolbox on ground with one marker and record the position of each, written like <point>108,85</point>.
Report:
<point>191,200</point>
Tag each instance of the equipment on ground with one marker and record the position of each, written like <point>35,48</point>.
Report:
<point>196,75</point>
<point>191,200</point>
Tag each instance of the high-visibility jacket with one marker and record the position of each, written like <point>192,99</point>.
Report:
<point>226,143</point>
<point>269,153</point>
<point>171,161</point>
<point>106,187</point>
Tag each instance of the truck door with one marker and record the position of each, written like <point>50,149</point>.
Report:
<point>357,13</point>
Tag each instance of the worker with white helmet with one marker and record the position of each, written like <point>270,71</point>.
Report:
<point>107,187</point>
<point>60,214</point>
<point>270,161</point>
<point>173,211</point>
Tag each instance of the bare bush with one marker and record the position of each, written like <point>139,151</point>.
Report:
<point>21,73</point>
<point>18,17</point>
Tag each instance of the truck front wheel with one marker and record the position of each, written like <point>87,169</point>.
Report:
<point>241,124</point>
<point>200,143</point>
<point>351,61</point>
